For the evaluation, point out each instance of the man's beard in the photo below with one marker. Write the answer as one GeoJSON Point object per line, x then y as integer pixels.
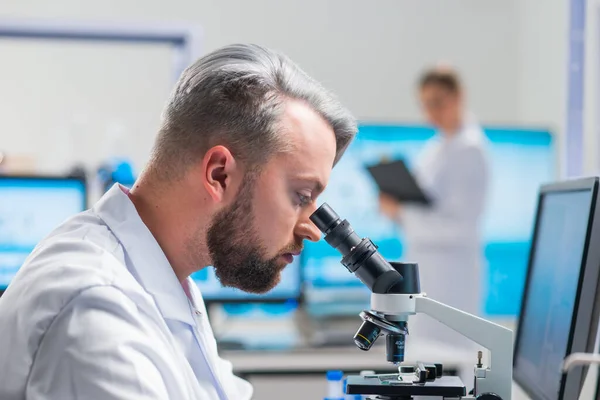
{"type": "Point", "coordinates": [235, 250]}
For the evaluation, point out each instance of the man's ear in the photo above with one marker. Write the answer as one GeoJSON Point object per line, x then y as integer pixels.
{"type": "Point", "coordinates": [219, 168]}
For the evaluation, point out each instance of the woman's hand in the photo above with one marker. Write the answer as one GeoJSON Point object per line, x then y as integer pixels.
{"type": "Point", "coordinates": [389, 206]}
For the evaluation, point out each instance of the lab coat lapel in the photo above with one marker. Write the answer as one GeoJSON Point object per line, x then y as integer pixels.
{"type": "Point", "coordinates": [148, 262]}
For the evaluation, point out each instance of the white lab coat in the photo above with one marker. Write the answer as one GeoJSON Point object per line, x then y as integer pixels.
{"type": "Point", "coordinates": [97, 312]}
{"type": "Point", "coordinates": [445, 239]}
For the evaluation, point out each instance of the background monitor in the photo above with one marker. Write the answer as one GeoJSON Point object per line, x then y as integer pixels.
{"type": "Point", "coordinates": [559, 311]}
{"type": "Point", "coordinates": [30, 208]}
{"type": "Point", "coordinates": [289, 288]}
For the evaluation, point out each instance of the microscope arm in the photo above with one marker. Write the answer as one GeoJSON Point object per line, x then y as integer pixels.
{"type": "Point", "coordinates": [496, 338]}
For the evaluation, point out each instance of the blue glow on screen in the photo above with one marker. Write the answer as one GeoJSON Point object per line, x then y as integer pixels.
{"type": "Point", "coordinates": [29, 210]}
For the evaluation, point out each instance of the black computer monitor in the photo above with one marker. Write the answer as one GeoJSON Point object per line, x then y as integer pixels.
{"type": "Point", "coordinates": [559, 311]}
{"type": "Point", "coordinates": [30, 208]}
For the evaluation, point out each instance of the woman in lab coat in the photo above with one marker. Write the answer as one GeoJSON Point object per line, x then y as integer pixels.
{"type": "Point", "coordinates": [444, 238]}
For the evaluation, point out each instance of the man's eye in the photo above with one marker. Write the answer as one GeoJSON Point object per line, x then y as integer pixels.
{"type": "Point", "coordinates": [303, 199]}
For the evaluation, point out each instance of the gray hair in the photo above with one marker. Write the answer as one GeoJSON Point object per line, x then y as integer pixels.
{"type": "Point", "coordinates": [234, 96]}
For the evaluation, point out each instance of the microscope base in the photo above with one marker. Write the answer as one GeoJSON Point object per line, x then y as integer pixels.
{"type": "Point", "coordinates": [445, 386]}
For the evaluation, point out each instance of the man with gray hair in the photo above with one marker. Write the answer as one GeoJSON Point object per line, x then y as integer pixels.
{"type": "Point", "coordinates": [104, 307]}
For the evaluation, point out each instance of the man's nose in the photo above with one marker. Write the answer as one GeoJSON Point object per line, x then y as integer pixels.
{"type": "Point", "coordinates": [306, 230]}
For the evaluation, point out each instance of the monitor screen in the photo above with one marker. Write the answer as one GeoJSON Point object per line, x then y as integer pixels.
{"type": "Point", "coordinates": [549, 309]}
{"type": "Point", "coordinates": [289, 287]}
{"type": "Point", "coordinates": [30, 208]}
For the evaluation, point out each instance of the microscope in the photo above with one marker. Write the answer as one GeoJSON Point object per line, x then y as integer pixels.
{"type": "Point", "coordinates": [396, 295]}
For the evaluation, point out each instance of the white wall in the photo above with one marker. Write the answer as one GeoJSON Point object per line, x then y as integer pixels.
{"type": "Point", "coordinates": [543, 62]}
{"type": "Point", "coordinates": [58, 101]}
{"type": "Point", "coordinates": [370, 53]}
{"type": "Point", "coordinates": [543, 73]}
{"type": "Point", "coordinates": [591, 103]}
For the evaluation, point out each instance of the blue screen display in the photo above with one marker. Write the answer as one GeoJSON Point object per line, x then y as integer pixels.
{"type": "Point", "coordinates": [289, 287]}
{"type": "Point", "coordinates": [29, 210]}
{"type": "Point", "coordinates": [508, 221]}
{"type": "Point", "coordinates": [552, 291]}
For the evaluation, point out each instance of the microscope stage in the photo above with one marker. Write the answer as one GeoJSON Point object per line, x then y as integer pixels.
{"type": "Point", "coordinates": [387, 385]}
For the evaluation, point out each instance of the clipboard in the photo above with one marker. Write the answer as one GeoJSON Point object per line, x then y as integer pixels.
{"type": "Point", "coordinates": [394, 178]}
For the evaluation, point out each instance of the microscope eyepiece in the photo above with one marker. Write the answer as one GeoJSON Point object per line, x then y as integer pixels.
{"type": "Point", "coordinates": [325, 218]}
{"type": "Point", "coordinates": [360, 256]}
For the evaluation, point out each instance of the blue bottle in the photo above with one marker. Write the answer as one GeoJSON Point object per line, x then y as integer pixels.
{"type": "Point", "coordinates": [335, 387]}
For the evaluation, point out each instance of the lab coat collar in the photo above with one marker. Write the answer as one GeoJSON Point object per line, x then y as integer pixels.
{"type": "Point", "coordinates": [148, 261]}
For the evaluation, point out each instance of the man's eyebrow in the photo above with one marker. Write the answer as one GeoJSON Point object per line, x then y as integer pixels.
{"type": "Point", "coordinates": [317, 185]}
